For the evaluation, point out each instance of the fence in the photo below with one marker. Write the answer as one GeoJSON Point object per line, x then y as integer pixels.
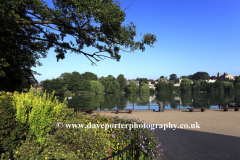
{"type": "Point", "coordinates": [118, 104]}
{"type": "Point", "coordinates": [130, 152]}
{"type": "Point", "coordinates": [208, 103]}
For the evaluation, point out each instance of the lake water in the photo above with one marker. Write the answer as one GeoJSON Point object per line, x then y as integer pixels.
{"type": "Point", "coordinates": [149, 101]}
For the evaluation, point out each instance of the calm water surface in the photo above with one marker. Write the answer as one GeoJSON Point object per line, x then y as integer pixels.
{"type": "Point", "coordinates": [149, 101]}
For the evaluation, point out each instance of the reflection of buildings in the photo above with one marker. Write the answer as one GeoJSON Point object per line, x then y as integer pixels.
{"type": "Point", "coordinates": [68, 97]}
{"type": "Point", "coordinates": [178, 99]}
{"type": "Point", "coordinates": [152, 98]}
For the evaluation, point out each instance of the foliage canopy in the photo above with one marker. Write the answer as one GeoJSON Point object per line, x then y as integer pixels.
{"type": "Point", "coordinates": [21, 34]}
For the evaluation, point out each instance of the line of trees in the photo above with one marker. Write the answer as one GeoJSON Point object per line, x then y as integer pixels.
{"type": "Point", "coordinates": [199, 85]}
{"type": "Point", "coordinates": [89, 82]}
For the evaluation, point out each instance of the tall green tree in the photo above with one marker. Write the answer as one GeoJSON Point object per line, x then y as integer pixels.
{"type": "Point", "coordinates": [122, 81]}
{"type": "Point", "coordinates": [228, 86]}
{"type": "Point", "coordinates": [162, 87]}
{"type": "Point", "coordinates": [144, 88]}
{"type": "Point", "coordinates": [18, 55]}
{"type": "Point", "coordinates": [219, 86]}
{"type": "Point", "coordinates": [173, 77]}
{"type": "Point", "coordinates": [204, 85]}
{"type": "Point", "coordinates": [85, 85]}
{"type": "Point", "coordinates": [210, 87]}
{"type": "Point", "coordinates": [143, 80]}
{"type": "Point", "coordinates": [196, 86]}
{"type": "Point", "coordinates": [162, 77]}
{"type": "Point", "coordinates": [65, 77]}
{"type": "Point", "coordinates": [22, 45]}
{"type": "Point", "coordinates": [201, 75]}
{"type": "Point", "coordinates": [189, 76]}
{"type": "Point", "coordinates": [111, 76]}
{"type": "Point", "coordinates": [47, 86]}
{"type": "Point", "coordinates": [237, 80]}
{"type": "Point", "coordinates": [27, 81]}
{"type": "Point", "coordinates": [55, 84]}
{"type": "Point", "coordinates": [170, 87]}
{"type": "Point", "coordinates": [237, 87]}
{"type": "Point", "coordinates": [110, 86]}
{"type": "Point", "coordinates": [213, 77]}
{"type": "Point", "coordinates": [185, 85]}
{"type": "Point", "coordinates": [116, 87]}
{"type": "Point", "coordinates": [96, 87]}
{"type": "Point", "coordinates": [75, 82]}
{"type": "Point", "coordinates": [90, 76]}
{"type": "Point", "coordinates": [132, 88]}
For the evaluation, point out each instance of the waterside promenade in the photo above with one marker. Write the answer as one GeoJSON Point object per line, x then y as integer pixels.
{"type": "Point", "coordinates": [218, 137]}
{"type": "Point", "coordinates": [212, 120]}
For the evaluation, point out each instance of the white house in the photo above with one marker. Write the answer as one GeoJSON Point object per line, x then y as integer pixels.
{"type": "Point", "coordinates": [210, 80]}
{"type": "Point", "coordinates": [180, 80]}
{"type": "Point", "coordinates": [151, 85]}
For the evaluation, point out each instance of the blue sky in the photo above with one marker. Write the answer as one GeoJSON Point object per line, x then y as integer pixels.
{"type": "Point", "coordinates": [192, 36]}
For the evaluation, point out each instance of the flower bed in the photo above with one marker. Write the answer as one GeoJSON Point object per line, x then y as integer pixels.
{"type": "Point", "coordinates": [37, 137]}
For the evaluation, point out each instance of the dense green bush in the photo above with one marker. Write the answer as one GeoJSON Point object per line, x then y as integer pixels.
{"type": "Point", "coordinates": [12, 132]}
{"type": "Point", "coordinates": [64, 143]}
{"type": "Point", "coordinates": [81, 143]}
{"type": "Point", "coordinates": [38, 111]}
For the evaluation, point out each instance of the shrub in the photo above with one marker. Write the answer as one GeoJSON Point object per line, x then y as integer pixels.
{"type": "Point", "coordinates": [65, 143]}
{"type": "Point", "coordinates": [147, 143]}
{"type": "Point", "coordinates": [12, 132]}
{"type": "Point", "coordinates": [37, 111]}
{"type": "Point", "coordinates": [81, 143]}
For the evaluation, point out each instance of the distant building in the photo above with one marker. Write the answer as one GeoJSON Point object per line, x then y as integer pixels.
{"type": "Point", "coordinates": [210, 80]}
{"type": "Point", "coordinates": [129, 81]}
{"type": "Point", "coordinates": [151, 85]}
{"type": "Point", "coordinates": [224, 76]}
{"type": "Point", "coordinates": [180, 80]}
{"type": "Point", "coordinates": [178, 84]}
{"type": "Point", "coordinates": [39, 86]}
{"type": "Point", "coordinates": [161, 80]}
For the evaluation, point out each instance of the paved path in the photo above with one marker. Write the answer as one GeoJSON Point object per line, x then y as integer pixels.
{"type": "Point", "coordinates": [183, 144]}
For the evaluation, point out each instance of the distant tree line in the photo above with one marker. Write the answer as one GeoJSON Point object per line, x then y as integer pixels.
{"type": "Point", "coordinates": [187, 86]}
{"type": "Point", "coordinates": [89, 82]}
{"type": "Point", "coordinates": [194, 83]}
